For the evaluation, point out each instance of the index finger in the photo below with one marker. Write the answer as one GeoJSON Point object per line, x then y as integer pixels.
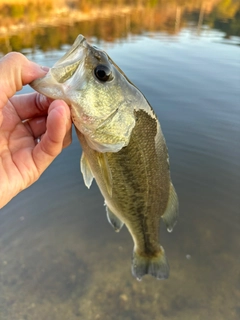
{"type": "Point", "coordinates": [16, 70]}
{"type": "Point", "coordinates": [30, 105]}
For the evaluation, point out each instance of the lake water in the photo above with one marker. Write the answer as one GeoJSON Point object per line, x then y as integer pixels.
{"type": "Point", "coordinates": [59, 257]}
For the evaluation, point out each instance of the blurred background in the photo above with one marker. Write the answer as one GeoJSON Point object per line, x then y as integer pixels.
{"type": "Point", "coordinates": [59, 257]}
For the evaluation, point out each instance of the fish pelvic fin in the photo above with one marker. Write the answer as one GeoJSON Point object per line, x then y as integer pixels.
{"type": "Point", "coordinates": [170, 215]}
{"type": "Point", "coordinates": [106, 171]}
{"type": "Point", "coordinates": [86, 171]}
{"type": "Point", "coordinates": [157, 266]}
{"type": "Point", "coordinates": [115, 222]}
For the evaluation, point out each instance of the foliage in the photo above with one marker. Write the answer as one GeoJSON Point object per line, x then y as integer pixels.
{"type": "Point", "coordinates": [108, 19]}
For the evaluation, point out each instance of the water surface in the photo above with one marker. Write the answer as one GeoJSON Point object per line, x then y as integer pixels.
{"type": "Point", "coordinates": [59, 257]}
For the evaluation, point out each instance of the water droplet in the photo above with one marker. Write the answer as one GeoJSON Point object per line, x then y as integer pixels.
{"type": "Point", "coordinates": [169, 229]}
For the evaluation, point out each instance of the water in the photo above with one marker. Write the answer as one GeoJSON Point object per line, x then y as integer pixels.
{"type": "Point", "coordinates": [60, 258]}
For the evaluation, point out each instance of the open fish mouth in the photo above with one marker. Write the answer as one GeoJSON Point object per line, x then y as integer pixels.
{"type": "Point", "coordinates": [74, 53]}
{"type": "Point", "coordinates": [60, 76]}
{"type": "Point", "coordinates": [65, 68]}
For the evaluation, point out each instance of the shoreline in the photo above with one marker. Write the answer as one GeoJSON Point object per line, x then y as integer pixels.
{"type": "Point", "coordinates": [64, 16]}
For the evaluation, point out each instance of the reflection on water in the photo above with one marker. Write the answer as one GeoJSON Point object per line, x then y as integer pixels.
{"type": "Point", "coordinates": [25, 26]}
{"type": "Point", "coordinates": [59, 257]}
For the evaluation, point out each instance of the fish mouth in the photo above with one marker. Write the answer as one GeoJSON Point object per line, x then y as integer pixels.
{"type": "Point", "coordinates": [65, 68]}
{"type": "Point", "coordinates": [62, 70]}
{"type": "Point", "coordinates": [73, 54]}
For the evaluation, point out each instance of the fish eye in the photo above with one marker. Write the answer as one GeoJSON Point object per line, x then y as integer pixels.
{"type": "Point", "coordinates": [103, 73]}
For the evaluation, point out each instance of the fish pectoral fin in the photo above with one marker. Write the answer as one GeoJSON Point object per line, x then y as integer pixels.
{"type": "Point", "coordinates": [157, 265]}
{"type": "Point", "coordinates": [86, 171]}
{"type": "Point", "coordinates": [115, 222]}
{"type": "Point", "coordinates": [170, 215]}
{"type": "Point", "coordinates": [106, 171]}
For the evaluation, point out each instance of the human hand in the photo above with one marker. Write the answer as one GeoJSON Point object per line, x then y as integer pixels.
{"type": "Point", "coordinates": [23, 120]}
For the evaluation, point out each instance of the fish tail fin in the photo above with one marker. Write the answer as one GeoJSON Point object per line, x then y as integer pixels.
{"type": "Point", "coordinates": [157, 265]}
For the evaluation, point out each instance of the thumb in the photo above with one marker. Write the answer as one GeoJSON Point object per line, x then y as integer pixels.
{"type": "Point", "coordinates": [51, 144]}
{"type": "Point", "coordinates": [16, 71]}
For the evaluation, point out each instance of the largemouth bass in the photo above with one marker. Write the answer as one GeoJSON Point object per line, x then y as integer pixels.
{"type": "Point", "coordinates": [123, 149]}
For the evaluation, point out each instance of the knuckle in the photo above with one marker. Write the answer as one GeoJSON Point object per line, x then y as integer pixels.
{"type": "Point", "coordinates": [15, 57]}
{"type": "Point", "coordinates": [42, 102]}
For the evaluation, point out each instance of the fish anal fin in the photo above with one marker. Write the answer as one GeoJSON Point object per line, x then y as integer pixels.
{"type": "Point", "coordinates": [86, 171]}
{"type": "Point", "coordinates": [106, 171]}
{"type": "Point", "coordinates": [157, 265]}
{"type": "Point", "coordinates": [115, 222]}
{"type": "Point", "coordinates": [170, 215]}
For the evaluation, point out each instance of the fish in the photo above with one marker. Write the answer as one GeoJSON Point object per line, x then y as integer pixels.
{"type": "Point", "coordinates": [123, 149]}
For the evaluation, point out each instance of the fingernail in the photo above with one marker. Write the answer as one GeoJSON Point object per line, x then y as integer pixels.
{"type": "Point", "coordinates": [46, 69]}
{"type": "Point", "coordinates": [40, 121]}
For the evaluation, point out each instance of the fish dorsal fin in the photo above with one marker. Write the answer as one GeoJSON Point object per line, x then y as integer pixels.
{"type": "Point", "coordinates": [86, 171]}
{"type": "Point", "coordinates": [106, 171]}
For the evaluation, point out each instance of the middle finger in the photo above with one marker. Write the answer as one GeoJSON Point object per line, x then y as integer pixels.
{"type": "Point", "coordinates": [36, 126]}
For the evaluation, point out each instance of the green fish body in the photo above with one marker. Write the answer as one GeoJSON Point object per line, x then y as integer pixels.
{"type": "Point", "coordinates": [123, 149]}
